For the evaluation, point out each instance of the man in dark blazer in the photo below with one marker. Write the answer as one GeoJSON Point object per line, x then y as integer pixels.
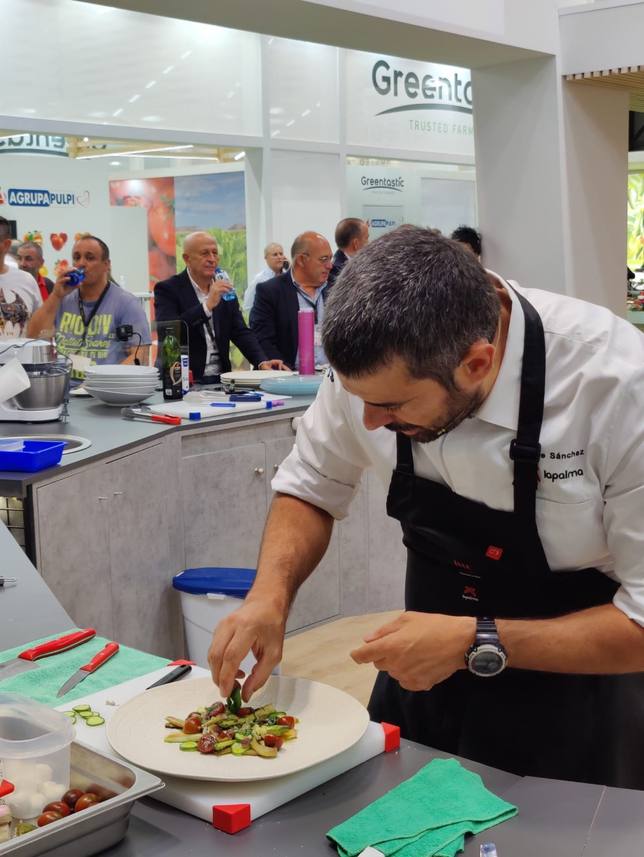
{"type": "Point", "coordinates": [277, 302]}
{"type": "Point", "coordinates": [351, 235]}
{"type": "Point", "coordinates": [195, 297]}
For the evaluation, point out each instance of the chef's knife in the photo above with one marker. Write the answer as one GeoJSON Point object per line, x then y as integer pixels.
{"type": "Point", "coordinates": [25, 660]}
{"type": "Point", "coordinates": [171, 676]}
{"type": "Point", "coordinates": [98, 660]}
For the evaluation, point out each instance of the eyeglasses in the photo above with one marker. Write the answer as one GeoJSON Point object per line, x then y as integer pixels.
{"type": "Point", "coordinates": [323, 259]}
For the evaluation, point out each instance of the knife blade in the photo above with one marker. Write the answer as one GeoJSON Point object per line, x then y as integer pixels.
{"type": "Point", "coordinates": [25, 660]}
{"type": "Point", "coordinates": [81, 674]}
{"type": "Point", "coordinates": [171, 676]}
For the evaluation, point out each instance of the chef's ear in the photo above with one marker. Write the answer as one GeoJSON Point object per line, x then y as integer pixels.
{"type": "Point", "coordinates": [476, 365]}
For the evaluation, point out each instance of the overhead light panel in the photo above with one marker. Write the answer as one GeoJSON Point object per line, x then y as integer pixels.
{"type": "Point", "coordinates": [134, 152]}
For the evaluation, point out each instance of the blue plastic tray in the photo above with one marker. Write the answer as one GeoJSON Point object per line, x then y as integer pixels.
{"type": "Point", "coordinates": [35, 455]}
{"type": "Point", "coordinates": [293, 385]}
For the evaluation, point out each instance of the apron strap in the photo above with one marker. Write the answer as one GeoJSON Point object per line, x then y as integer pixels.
{"type": "Point", "coordinates": [525, 449]}
{"type": "Point", "coordinates": [404, 455]}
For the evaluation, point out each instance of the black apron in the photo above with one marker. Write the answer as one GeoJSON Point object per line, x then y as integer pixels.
{"type": "Point", "coordinates": [465, 558]}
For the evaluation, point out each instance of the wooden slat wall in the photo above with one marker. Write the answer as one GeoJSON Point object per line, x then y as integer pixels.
{"type": "Point", "coordinates": [625, 77]}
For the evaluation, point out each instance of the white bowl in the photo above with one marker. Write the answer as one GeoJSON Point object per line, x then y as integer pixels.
{"type": "Point", "coordinates": [111, 398]}
{"type": "Point", "coordinates": [122, 369]}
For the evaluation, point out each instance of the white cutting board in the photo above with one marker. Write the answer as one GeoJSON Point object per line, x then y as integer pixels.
{"type": "Point", "coordinates": [184, 409]}
{"type": "Point", "coordinates": [197, 797]}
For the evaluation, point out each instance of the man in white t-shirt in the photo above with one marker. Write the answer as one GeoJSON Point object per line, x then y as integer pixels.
{"type": "Point", "coordinates": [19, 295]}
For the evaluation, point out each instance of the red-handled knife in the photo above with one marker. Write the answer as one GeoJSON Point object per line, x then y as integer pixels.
{"type": "Point", "coordinates": [25, 660]}
{"type": "Point", "coordinates": [98, 660]}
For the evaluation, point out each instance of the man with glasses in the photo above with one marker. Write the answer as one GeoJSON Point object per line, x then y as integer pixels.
{"type": "Point", "coordinates": [278, 301]}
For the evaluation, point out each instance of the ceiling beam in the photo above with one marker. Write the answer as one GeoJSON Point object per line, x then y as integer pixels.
{"type": "Point", "coordinates": [310, 22]}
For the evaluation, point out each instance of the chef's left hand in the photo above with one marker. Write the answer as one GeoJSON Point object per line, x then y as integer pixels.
{"type": "Point", "coordinates": [273, 364]}
{"type": "Point", "coordinates": [419, 650]}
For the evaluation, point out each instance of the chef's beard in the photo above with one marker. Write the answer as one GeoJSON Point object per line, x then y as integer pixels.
{"type": "Point", "coordinates": [460, 407]}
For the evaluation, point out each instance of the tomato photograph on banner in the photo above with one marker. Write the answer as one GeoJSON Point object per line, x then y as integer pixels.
{"type": "Point", "coordinates": [156, 195]}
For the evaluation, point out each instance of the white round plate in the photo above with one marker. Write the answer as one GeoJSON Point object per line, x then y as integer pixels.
{"type": "Point", "coordinates": [252, 377]}
{"type": "Point", "coordinates": [145, 380]}
{"type": "Point", "coordinates": [121, 369]}
{"type": "Point", "coordinates": [120, 398]}
{"type": "Point", "coordinates": [331, 721]}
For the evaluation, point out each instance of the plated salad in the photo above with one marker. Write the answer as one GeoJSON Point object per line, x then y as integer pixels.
{"type": "Point", "coordinates": [231, 728]}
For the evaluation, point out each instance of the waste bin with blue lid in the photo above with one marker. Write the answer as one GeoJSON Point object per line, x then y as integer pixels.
{"type": "Point", "coordinates": [207, 595]}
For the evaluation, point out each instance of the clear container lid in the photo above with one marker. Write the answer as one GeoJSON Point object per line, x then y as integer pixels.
{"type": "Point", "coordinates": [29, 728]}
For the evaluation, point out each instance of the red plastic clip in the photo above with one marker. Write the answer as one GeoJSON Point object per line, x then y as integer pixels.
{"type": "Point", "coordinates": [181, 662]}
{"type": "Point", "coordinates": [231, 817]}
{"type": "Point", "coordinates": [6, 787]}
{"type": "Point", "coordinates": [392, 736]}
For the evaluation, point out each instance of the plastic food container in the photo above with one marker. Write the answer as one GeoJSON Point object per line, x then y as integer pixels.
{"type": "Point", "coordinates": [32, 456]}
{"type": "Point", "coordinates": [34, 753]}
{"type": "Point", "coordinates": [82, 834]}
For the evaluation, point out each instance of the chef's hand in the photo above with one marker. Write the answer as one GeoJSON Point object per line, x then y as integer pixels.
{"type": "Point", "coordinates": [255, 626]}
{"type": "Point", "coordinates": [215, 292]}
{"type": "Point", "coordinates": [273, 364]}
{"type": "Point", "coordinates": [419, 650]}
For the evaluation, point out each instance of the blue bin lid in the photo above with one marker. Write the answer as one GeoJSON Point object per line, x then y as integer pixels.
{"type": "Point", "coordinates": [227, 581]}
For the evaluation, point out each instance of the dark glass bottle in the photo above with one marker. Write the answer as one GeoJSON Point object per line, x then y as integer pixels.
{"type": "Point", "coordinates": [171, 351]}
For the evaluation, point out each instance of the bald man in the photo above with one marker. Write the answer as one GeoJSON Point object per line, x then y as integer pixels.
{"type": "Point", "coordinates": [196, 297]}
{"type": "Point", "coordinates": [277, 302]}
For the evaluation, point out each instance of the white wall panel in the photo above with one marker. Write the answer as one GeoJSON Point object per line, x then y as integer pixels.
{"type": "Point", "coordinates": [78, 62]}
{"type": "Point", "coordinates": [305, 195]}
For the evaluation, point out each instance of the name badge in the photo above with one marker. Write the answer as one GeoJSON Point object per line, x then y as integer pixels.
{"type": "Point", "coordinates": [317, 336]}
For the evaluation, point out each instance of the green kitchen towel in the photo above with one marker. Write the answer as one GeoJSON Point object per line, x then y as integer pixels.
{"type": "Point", "coordinates": [42, 683]}
{"type": "Point", "coordinates": [427, 815]}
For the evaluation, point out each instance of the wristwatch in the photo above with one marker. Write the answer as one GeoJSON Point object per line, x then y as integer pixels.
{"type": "Point", "coordinates": [486, 657]}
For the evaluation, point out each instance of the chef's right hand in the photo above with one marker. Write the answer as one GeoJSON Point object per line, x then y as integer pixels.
{"type": "Point", "coordinates": [256, 626]}
{"type": "Point", "coordinates": [217, 289]}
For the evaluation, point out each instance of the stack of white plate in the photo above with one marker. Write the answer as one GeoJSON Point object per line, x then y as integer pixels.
{"type": "Point", "coordinates": [121, 384]}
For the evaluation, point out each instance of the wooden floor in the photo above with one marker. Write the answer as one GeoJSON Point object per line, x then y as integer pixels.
{"type": "Point", "coordinates": [322, 654]}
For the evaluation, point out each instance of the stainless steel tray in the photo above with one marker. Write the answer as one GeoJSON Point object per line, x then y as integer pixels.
{"type": "Point", "coordinates": [96, 828]}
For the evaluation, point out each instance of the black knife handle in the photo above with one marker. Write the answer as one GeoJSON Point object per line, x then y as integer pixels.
{"type": "Point", "coordinates": [171, 676]}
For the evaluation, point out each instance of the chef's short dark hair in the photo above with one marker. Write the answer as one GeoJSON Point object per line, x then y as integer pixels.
{"type": "Point", "coordinates": [5, 229]}
{"type": "Point", "coordinates": [412, 294]}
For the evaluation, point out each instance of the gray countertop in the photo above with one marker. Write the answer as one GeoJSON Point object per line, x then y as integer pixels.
{"type": "Point", "coordinates": [110, 433]}
{"type": "Point", "coordinates": [555, 819]}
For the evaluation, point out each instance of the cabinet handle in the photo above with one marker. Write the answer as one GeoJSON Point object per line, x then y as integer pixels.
{"type": "Point", "coordinates": [117, 493]}
{"type": "Point", "coordinates": [102, 498]}
{"type": "Point", "coordinates": [276, 467]}
{"type": "Point", "coordinates": [259, 471]}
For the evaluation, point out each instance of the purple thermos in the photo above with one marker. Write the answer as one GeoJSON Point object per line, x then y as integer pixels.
{"type": "Point", "coordinates": [305, 333]}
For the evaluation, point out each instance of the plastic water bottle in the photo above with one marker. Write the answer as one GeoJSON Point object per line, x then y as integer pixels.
{"type": "Point", "coordinates": [220, 274]}
{"type": "Point", "coordinates": [75, 277]}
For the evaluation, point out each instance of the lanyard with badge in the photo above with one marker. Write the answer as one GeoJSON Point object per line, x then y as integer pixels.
{"type": "Point", "coordinates": [317, 332]}
{"type": "Point", "coordinates": [92, 314]}
{"type": "Point", "coordinates": [81, 363]}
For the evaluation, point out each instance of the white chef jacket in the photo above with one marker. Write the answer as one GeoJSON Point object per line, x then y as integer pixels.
{"type": "Point", "coordinates": [590, 496]}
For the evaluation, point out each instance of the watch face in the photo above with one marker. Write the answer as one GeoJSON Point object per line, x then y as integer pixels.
{"type": "Point", "coordinates": [487, 661]}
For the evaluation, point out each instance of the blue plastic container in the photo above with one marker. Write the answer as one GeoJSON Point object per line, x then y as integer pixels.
{"type": "Point", "coordinates": [34, 455]}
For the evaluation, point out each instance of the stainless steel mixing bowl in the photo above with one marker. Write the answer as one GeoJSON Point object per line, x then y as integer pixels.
{"type": "Point", "coordinates": [49, 386]}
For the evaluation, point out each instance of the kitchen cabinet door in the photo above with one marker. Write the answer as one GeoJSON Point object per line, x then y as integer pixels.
{"type": "Point", "coordinates": [73, 546]}
{"type": "Point", "coordinates": [143, 499]}
{"type": "Point", "coordinates": [224, 506]}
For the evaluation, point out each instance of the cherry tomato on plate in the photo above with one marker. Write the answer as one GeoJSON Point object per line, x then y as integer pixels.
{"type": "Point", "coordinates": [286, 721]}
{"type": "Point", "coordinates": [58, 806]}
{"type": "Point", "coordinates": [70, 797]}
